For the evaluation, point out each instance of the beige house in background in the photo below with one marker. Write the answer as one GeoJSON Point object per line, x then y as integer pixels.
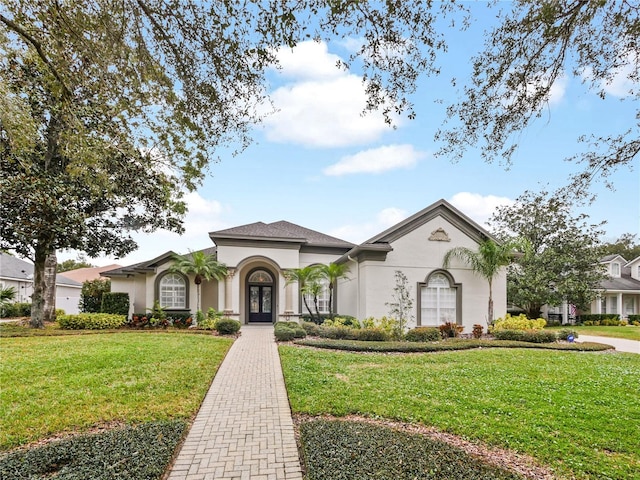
{"type": "Point", "coordinates": [620, 293]}
{"type": "Point", "coordinates": [258, 255]}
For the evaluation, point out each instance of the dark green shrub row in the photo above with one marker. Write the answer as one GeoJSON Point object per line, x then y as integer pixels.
{"type": "Point", "coordinates": [287, 331]}
{"type": "Point", "coordinates": [335, 449]}
{"type": "Point", "coordinates": [13, 310]}
{"type": "Point", "coordinates": [91, 321]}
{"type": "Point", "coordinates": [130, 453]}
{"type": "Point", "coordinates": [325, 316]}
{"type": "Point", "coordinates": [115, 302]}
{"type": "Point", "coordinates": [227, 326]}
{"type": "Point", "coordinates": [606, 322]}
{"type": "Point", "coordinates": [311, 328]}
{"type": "Point", "coordinates": [449, 345]}
{"type": "Point", "coordinates": [593, 317]}
{"type": "Point", "coordinates": [423, 334]}
{"type": "Point", "coordinates": [146, 320]}
{"type": "Point", "coordinates": [533, 336]}
{"type": "Point", "coordinates": [634, 318]}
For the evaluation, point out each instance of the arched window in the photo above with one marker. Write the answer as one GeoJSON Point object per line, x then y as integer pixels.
{"type": "Point", "coordinates": [172, 291]}
{"type": "Point", "coordinates": [260, 276]}
{"type": "Point", "coordinates": [438, 300]}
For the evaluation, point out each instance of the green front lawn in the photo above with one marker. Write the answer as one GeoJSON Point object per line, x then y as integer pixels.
{"type": "Point", "coordinates": [52, 385]}
{"type": "Point", "coordinates": [630, 332]}
{"type": "Point", "coordinates": [576, 412]}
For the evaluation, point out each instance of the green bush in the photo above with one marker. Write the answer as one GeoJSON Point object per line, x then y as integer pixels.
{"type": "Point", "coordinates": [336, 332]}
{"type": "Point", "coordinates": [16, 309]}
{"type": "Point", "coordinates": [59, 312]}
{"type": "Point", "coordinates": [91, 321]}
{"type": "Point", "coordinates": [389, 325]}
{"type": "Point", "coordinates": [228, 326]}
{"type": "Point", "coordinates": [521, 322]}
{"type": "Point", "coordinates": [311, 328]}
{"type": "Point", "coordinates": [371, 335]}
{"type": "Point", "coordinates": [598, 317]}
{"type": "Point", "coordinates": [115, 302]}
{"type": "Point", "coordinates": [610, 322]}
{"type": "Point", "coordinates": [207, 324]}
{"type": "Point", "coordinates": [283, 333]}
{"type": "Point", "coordinates": [634, 318]}
{"type": "Point", "coordinates": [130, 453]}
{"type": "Point", "coordinates": [299, 332]}
{"type": "Point", "coordinates": [564, 333]}
{"type": "Point", "coordinates": [533, 336]}
{"type": "Point", "coordinates": [346, 321]}
{"type": "Point", "coordinates": [91, 295]}
{"type": "Point", "coordinates": [423, 334]}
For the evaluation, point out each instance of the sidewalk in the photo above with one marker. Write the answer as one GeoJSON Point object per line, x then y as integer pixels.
{"type": "Point", "coordinates": [244, 428]}
{"type": "Point", "coordinates": [620, 344]}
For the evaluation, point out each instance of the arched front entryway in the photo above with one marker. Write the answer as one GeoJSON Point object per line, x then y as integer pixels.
{"type": "Point", "coordinates": [260, 296]}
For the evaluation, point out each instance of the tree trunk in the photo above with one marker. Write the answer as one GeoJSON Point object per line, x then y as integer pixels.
{"type": "Point", "coordinates": [38, 299]}
{"type": "Point", "coordinates": [331, 309]}
{"type": "Point", "coordinates": [490, 319]}
{"type": "Point", "coordinates": [49, 308]}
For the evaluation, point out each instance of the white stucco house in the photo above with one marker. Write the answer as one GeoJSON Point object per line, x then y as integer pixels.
{"type": "Point", "coordinates": [620, 293]}
{"type": "Point", "coordinates": [18, 274]}
{"type": "Point", "coordinates": [257, 256]}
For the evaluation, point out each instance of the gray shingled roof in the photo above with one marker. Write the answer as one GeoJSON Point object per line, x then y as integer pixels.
{"type": "Point", "coordinates": [150, 264]}
{"type": "Point", "coordinates": [281, 230]}
{"type": "Point", "coordinates": [17, 269]}
{"type": "Point", "coordinates": [624, 282]}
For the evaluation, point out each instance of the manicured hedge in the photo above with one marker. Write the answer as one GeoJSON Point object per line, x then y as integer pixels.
{"type": "Point", "coordinates": [227, 326]}
{"type": "Point", "coordinates": [91, 321]}
{"type": "Point", "coordinates": [598, 317]}
{"type": "Point", "coordinates": [533, 336]}
{"type": "Point", "coordinates": [17, 309]}
{"type": "Point", "coordinates": [423, 334]}
{"type": "Point", "coordinates": [115, 302]}
{"type": "Point", "coordinates": [340, 450]}
{"type": "Point", "coordinates": [130, 453]}
{"type": "Point", "coordinates": [448, 345]}
{"type": "Point", "coordinates": [287, 331]}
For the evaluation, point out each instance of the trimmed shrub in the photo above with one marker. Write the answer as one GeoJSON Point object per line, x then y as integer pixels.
{"type": "Point", "coordinates": [91, 295]}
{"type": "Point", "coordinates": [299, 332]}
{"type": "Point", "coordinates": [91, 321]}
{"type": "Point", "coordinates": [521, 322]}
{"type": "Point", "coordinates": [598, 317]}
{"type": "Point", "coordinates": [292, 325]}
{"type": "Point", "coordinates": [227, 326]}
{"type": "Point", "coordinates": [371, 335]}
{"type": "Point", "coordinates": [16, 309]}
{"type": "Point", "coordinates": [336, 333]}
{"type": "Point", "coordinates": [389, 325]}
{"type": "Point", "coordinates": [207, 324]}
{"type": "Point", "coordinates": [346, 321]}
{"type": "Point", "coordinates": [311, 328]}
{"type": "Point", "coordinates": [116, 303]}
{"type": "Point", "coordinates": [634, 318]}
{"type": "Point", "coordinates": [533, 336]}
{"type": "Point", "coordinates": [423, 334]}
{"type": "Point", "coordinates": [59, 312]}
{"type": "Point", "coordinates": [284, 333]}
{"type": "Point", "coordinates": [564, 333]}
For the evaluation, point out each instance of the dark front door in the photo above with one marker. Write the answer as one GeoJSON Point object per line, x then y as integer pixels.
{"type": "Point", "coordinates": [260, 303]}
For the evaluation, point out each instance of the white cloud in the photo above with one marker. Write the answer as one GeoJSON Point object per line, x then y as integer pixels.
{"type": "Point", "coordinates": [377, 160]}
{"type": "Point", "coordinates": [358, 233]}
{"type": "Point", "coordinates": [478, 207]}
{"type": "Point", "coordinates": [623, 81]}
{"type": "Point", "coordinates": [309, 60]}
{"type": "Point", "coordinates": [323, 105]}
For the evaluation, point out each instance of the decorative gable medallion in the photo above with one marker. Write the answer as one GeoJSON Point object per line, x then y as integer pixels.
{"type": "Point", "coordinates": [439, 235]}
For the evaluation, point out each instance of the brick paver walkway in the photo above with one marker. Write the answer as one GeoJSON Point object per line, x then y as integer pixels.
{"type": "Point", "coordinates": [244, 428]}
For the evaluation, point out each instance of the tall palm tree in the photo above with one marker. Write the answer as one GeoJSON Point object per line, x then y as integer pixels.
{"type": "Point", "coordinates": [306, 278]}
{"type": "Point", "coordinates": [485, 262]}
{"type": "Point", "coordinates": [205, 267]}
{"type": "Point", "coordinates": [332, 273]}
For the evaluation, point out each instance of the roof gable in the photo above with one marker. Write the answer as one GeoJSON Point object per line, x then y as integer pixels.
{"type": "Point", "coordinates": [17, 269]}
{"type": "Point", "coordinates": [440, 208]}
{"type": "Point", "coordinates": [612, 257]}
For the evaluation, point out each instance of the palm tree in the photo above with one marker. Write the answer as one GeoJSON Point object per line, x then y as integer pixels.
{"type": "Point", "coordinates": [205, 267]}
{"type": "Point", "coordinates": [306, 278]}
{"type": "Point", "coordinates": [485, 262]}
{"type": "Point", "coordinates": [7, 295]}
{"type": "Point", "coordinates": [332, 273]}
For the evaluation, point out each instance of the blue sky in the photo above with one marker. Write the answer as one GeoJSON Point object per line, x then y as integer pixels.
{"type": "Point", "coordinates": [319, 163]}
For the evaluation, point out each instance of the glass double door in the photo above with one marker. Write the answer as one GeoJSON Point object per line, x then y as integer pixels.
{"type": "Point", "coordinates": [260, 303]}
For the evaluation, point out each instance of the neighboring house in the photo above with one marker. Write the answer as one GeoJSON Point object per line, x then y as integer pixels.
{"type": "Point", "coordinates": [18, 274]}
{"type": "Point", "coordinates": [90, 273]}
{"type": "Point", "coordinates": [258, 255]}
{"type": "Point", "coordinates": [620, 293]}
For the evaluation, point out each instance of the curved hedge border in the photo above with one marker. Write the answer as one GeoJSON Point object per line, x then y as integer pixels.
{"type": "Point", "coordinates": [449, 345]}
